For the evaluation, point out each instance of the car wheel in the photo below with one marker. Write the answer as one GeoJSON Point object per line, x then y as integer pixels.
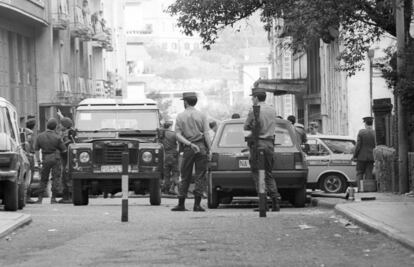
{"type": "Point", "coordinates": [333, 183]}
{"type": "Point", "coordinates": [212, 198]}
{"type": "Point", "coordinates": [22, 195]}
{"type": "Point", "coordinates": [80, 195]}
{"type": "Point", "coordinates": [300, 198]}
{"type": "Point", "coordinates": [155, 192]}
{"type": "Point", "coordinates": [10, 195]}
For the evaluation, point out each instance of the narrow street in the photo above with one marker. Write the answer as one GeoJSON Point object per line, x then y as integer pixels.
{"type": "Point", "coordinates": [232, 235]}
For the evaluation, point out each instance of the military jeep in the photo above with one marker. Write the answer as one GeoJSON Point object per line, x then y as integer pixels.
{"type": "Point", "coordinates": [106, 128]}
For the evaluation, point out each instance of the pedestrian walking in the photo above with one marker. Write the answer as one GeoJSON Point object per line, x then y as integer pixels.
{"type": "Point", "coordinates": [299, 129]}
{"type": "Point", "coordinates": [171, 172]}
{"type": "Point", "coordinates": [364, 150]}
{"type": "Point", "coordinates": [267, 127]}
{"type": "Point", "coordinates": [213, 129]}
{"type": "Point", "coordinates": [52, 146]}
{"type": "Point", "coordinates": [193, 132]}
{"type": "Point", "coordinates": [30, 133]}
{"type": "Point", "coordinates": [68, 135]}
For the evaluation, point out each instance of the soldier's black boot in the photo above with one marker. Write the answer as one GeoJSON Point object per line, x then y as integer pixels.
{"type": "Point", "coordinates": [275, 204]}
{"type": "Point", "coordinates": [197, 207]}
{"type": "Point", "coordinates": [180, 206]}
{"type": "Point", "coordinates": [53, 199]}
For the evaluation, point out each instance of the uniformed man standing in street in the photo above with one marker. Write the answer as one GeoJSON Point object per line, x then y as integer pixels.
{"type": "Point", "coordinates": [52, 146]}
{"type": "Point", "coordinates": [364, 150]}
{"type": "Point", "coordinates": [30, 131]}
{"type": "Point", "coordinates": [267, 122]}
{"type": "Point", "coordinates": [68, 137]}
{"type": "Point", "coordinates": [192, 131]}
{"type": "Point", "coordinates": [171, 172]}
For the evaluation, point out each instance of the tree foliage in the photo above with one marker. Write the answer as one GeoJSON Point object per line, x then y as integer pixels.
{"type": "Point", "coordinates": [360, 21]}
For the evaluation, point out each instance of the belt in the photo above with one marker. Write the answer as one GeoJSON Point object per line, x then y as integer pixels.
{"type": "Point", "coordinates": [267, 139]}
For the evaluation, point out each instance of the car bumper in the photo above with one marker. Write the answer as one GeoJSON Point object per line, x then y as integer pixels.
{"type": "Point", "coordinates": [110, 176]}
{"type": "Point", "coordinates": [8, 175]}
{"type": "Point", "coordinates": [243, 180]}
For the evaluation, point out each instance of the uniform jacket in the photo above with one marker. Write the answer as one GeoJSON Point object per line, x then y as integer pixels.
{"type": "Point", "coordinates": [364, 149]}
{"type": "Point", "coordinates": [267, 119]}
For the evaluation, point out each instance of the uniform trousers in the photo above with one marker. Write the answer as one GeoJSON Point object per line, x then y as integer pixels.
{"type": "Point", "coordinates": [268, 149]}
{"type": "Point", "coordinates": [171, 172]}
{"type": "Point", "coordinates": [51, 163]}
{"type": "Point", "coordinates": [364, 169]}
{"type": "Point", "coordinates": [190, 158]}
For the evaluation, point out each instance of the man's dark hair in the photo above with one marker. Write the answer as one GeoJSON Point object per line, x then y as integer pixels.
{"type": "Point", "coordinates": [235, 116]}
{"type": "Point", "coordinates": [212, 124]}
{"type": "Point", "coordinates": [261, 97]}
{"type": "Point", "coordinates": [30, 124]}
{"type": "Point", "coordinates": [51, 124]}
{"type": "Point", "coordinates": [292, 119]}
{"type": "Point", "coordinates": [192, 101]}
{"type": "Point", "coordinates": [369, 122]}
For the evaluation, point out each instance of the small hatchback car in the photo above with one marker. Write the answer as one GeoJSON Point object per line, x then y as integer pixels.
{"type": "Point", "coordinates": [229, 171]}
{"type": "Point", "coordinates": [15, 172]}
{"type": "Point", "coordinates": [330, 164]}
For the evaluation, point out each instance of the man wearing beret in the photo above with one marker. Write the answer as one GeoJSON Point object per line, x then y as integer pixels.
{"type": "Point", "coordinates": [364, 150]}
{"type": "Point", "coordinates": [267, 122]}
{"type": "Point", "coordinates": [52, 146]}
{"type": "Point", "coordinates": [193, 132]}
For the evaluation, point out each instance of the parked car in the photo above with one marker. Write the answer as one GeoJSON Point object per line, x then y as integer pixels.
{"type": "Point", "coordinates": [15, 172]}
{"type": "Point", "coordinates": [229, 169]}
{"type": "Point", "coordinates": [330, 164]}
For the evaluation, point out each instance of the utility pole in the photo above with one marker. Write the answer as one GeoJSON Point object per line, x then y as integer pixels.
{"type": "Point", "coordinates": [401, 113]}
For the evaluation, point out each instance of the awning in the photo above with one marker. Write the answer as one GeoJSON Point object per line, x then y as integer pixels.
{"type": "Point", "coordinates": [283, 86]}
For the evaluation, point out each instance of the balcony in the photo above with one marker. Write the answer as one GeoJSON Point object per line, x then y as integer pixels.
{"type": "Point", "coordinates": [60, 14]}
{"type": "Point", "coordinates": [80, 25]}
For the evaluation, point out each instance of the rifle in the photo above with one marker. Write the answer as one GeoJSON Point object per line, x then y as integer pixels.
{"type": "Point", "coordinates": [255, 133]}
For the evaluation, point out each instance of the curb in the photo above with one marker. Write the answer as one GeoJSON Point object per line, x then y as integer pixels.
{"type": "Point", "coordinates": [373, 226]}
{"type": "Point", "coordinates": [14, 224]}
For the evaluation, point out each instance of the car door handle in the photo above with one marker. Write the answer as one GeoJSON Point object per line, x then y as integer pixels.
{"type": "Point", "coordinates": [325, 160]}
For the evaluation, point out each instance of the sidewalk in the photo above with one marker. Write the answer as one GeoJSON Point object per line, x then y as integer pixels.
{"type": "Point", "coordinates": [390, 214]}
{"type": "Point", "coordinates": [10, 221]}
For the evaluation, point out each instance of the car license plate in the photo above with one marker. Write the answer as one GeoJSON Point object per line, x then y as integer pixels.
{"type": "Point", "coordinates": [244, 163]}
{"type": "Point", "coordinates": [111, 168]}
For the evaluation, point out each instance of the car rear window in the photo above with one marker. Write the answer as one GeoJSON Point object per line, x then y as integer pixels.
{"type": "Point", "coordinates": [233, 136]}
{"type": "Point", "coordinates": [338, 146]}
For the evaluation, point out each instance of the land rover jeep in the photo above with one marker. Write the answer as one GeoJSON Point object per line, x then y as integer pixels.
{"type": "Point", "coordinates": [106, 128]}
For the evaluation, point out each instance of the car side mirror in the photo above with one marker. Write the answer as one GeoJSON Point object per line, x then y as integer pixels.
{"type": "Point", "coordinates": [305, 147]}
{"type": "Point", "coordinates": [22, 137]}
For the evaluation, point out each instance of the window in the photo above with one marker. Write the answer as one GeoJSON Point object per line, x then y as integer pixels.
{"type": "Point", "coordinates": [10, 125]}
{"type": "Point", "coordinates": [264, 73]}
{"type": "Point", "coordinates": [340, 146]}
{"type": "Point", "coordinates": [232, 136]}
{"type": "Point", "coordinates": [316, 148]}
{"type": "Point", "coordinates": [282, 136]}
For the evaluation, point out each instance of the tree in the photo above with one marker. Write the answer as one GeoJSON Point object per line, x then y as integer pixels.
{"type": "Point", "coordinates": [361, 21]}
{"type": "Point", "coordinates": [162, 103]}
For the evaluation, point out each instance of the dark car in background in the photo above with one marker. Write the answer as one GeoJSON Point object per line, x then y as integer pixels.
{"type": "Point", "coordinates": [229, 170]}
{"type": "Point", "coordinates": [15, 172]}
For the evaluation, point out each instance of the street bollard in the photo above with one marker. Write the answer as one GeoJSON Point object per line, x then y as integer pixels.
{"type": "Point", "coordinates": [262, 185]}
{"type": "Point", "coordinates": [125, 184]}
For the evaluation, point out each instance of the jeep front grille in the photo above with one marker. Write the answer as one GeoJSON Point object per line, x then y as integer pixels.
{"type": "Point", "coordinates": [112, 154]}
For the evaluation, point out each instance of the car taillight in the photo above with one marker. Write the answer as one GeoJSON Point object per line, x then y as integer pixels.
{"type": "Point", "coordinates": [299, 160]}
{"type": "Point", "coordinates": [6, 160]}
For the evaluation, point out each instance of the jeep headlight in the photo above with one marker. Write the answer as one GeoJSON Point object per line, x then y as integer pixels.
{"type": "Point", "coordinates": [84, 157]}
{"type": "Point", "coordinates": [147, 156]}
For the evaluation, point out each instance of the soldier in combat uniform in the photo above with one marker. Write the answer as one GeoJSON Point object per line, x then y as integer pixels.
{"type": "Point", "coordinates": [52, 146]}
{"type": "Point", "coordinates": [171, 171]}
{"type": "Point", "coordinates": [267, 122]}
{"type": "Point", "coordinates": [192, 131]}
{"type": "Point", "coordinates": [68, 136]}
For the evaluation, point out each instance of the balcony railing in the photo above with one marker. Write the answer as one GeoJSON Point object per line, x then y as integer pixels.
{"type": "Point", "coordinates": [60, 14]}
{"type": "Point", "coordinates": [79, 24]}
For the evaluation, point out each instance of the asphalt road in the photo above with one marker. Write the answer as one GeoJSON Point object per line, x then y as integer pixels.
{"type": "Point", "coordinates": [233, 235]}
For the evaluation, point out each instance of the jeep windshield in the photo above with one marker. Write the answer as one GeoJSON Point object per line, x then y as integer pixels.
{"type": "Point", "coordinates": [117, 120]}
